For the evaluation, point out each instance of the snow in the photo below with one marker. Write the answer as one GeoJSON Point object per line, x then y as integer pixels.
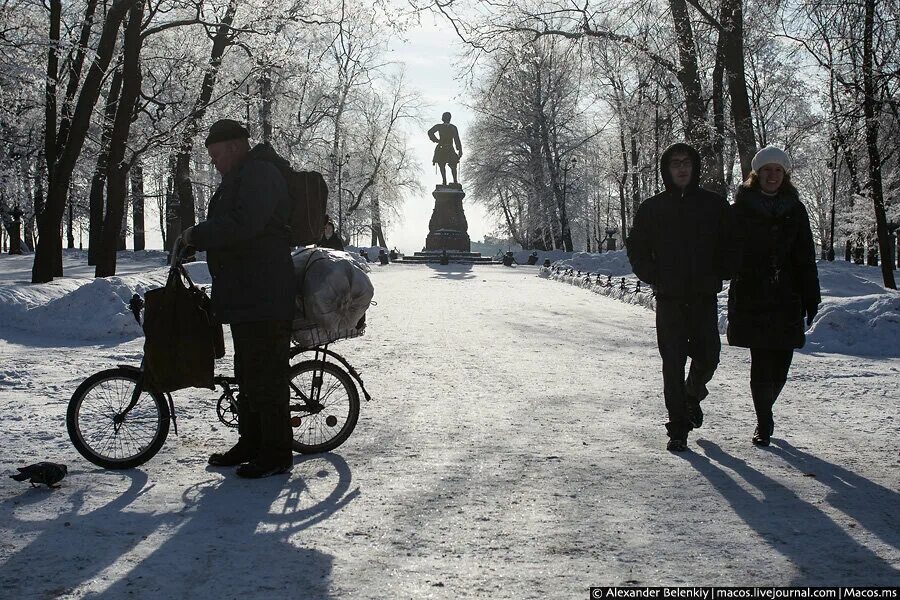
{"type": "Point", "coordinates": [514, 448]}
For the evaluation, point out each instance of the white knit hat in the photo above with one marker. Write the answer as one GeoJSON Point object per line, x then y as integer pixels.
{"type": "Point", "coordinates": [770, 155]}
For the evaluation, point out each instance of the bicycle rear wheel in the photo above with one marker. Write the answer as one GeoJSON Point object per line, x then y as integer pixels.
{"type": "Point", "coordinates": [324, 425]}
{"type": "Point", "coordinates": [106, 437]}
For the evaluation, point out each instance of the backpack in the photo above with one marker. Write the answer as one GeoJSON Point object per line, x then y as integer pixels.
{"type": "Point", "coordinates": [308, 193]}
{"type": "Point", "coordinates": [309, 196]}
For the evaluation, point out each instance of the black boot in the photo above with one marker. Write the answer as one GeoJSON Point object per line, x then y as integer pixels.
{"type": "Point", "coordinates": [275, 451]}
{"type": "Point", "coordinates": [763, 399]}
{"type": "Point", "coordinates": [247, 446]}
{"type": "Point", "coordinates": [694, 412]}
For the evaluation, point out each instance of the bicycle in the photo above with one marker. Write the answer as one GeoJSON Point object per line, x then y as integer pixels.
{"type": "Point", "coordinates": [117, 424]}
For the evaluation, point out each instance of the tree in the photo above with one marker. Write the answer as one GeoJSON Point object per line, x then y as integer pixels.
{"type": "Point", "coordinates": [64, 137]}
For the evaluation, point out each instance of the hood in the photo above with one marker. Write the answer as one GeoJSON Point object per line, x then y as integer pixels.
{"type": "Point", "coordinates": [667, 156]}
{"type": "Point", "coordinates": [267, 153]}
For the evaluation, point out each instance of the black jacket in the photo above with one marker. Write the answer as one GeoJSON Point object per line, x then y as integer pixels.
{"type": "Point", "coordinates": [777, 278]}
{"type": "Point", "coordinates": [334, 242]}
{"type": "Point", "coordinates": [682, 240]}
{"type": "Point", "coordinates": [247, 240]}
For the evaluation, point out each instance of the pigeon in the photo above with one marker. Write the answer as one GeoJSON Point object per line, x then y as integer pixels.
{"type": "Point", "coordinates": [43, 472]}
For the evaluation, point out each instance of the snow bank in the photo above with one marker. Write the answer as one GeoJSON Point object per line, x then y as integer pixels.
{"type": "Point", "coordinates": [78, 308]}
{"type": "Point", "coordinates": [857, 316]}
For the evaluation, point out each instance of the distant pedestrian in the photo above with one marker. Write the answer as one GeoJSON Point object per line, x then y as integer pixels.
{"type": "Point", "coordinates": [682, 244]}
{"type": "Point", "coordinates": [330, 238]}
{"type": "Point", "coordinates": [777, 284]}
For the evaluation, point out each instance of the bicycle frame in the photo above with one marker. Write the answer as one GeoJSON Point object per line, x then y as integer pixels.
{"type": "Point", "coordinates": [322, 353]}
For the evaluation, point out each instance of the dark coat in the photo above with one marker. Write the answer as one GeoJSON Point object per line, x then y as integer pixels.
{"type": "Point", "coordinates": [247, 240]}
{"type": "Point", "coordinates": [777, 278]}
{"type": "Point", "coordinates": [682, 240]}
{"type": "Point", "coordinates": [334, 242]}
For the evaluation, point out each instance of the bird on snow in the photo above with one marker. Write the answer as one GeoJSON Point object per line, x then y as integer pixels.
{"type": "Point", "coordinates": [43, 472]}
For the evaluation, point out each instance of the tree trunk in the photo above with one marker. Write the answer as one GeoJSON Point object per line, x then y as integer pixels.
{"type": "Point", "coordinates": [635, 176]}
{"type": "Point", "coordinates": [173, 211]}
{"type": "Point", "coordinates": [48, 256]}
{"type": "Point", "coordinates": [70, 235]}
{"type": "Point", "coordinates": [117, 176]}
{"type": "Point", "coordinates": [733, 23]}
{"type": "Point", "coordinates": [98, 182]}
{"type": "Point", "coordinates": [875, 181]}
{"type": "Point", "coordinates": [183, 202]}
{"type": "Point", "coordinates": [265, 107]}
{"type": "Point", "coordinates": [137, 203]}
{"type": "Point", "coordinates": [696, 128]}
{"type": "Point", "coordinates": [719, 180]}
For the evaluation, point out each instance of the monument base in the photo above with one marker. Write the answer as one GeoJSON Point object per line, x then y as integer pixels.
{"type": "Point", "coordinates": [448, 227]}
{"type": "Point", "coordinates": [448, 239]}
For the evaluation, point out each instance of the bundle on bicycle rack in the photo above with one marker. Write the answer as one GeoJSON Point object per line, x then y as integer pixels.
{"type": "Point", "coordinates": [333, 294]}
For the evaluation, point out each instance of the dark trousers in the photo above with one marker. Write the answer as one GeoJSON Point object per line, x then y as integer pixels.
{"type": "Point", "coordinates": [686, 327]}
{"type": "Point", "coordinates": [768, 373]}
{"type": "Point", "coordinates": [261, 363]}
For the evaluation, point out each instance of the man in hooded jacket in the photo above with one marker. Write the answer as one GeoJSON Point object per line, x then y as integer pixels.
{"type": "Point", "coordinates": [682, 243]}
{"type": "Point", "coordinates": [247, 239]}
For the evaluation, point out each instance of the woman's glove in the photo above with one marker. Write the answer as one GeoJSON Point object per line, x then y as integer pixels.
{"type": "Point", "coordinates": [810, 312]}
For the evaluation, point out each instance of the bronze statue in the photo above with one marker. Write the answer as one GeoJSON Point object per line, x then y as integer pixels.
{"type": "Point", "coordinates": [445, 153]}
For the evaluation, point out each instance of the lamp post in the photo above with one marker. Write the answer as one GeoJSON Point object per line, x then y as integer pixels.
{"type": "Point", "coordinates": [565, 170]}
{"type": "Point", "coordinates": [834, 179]}
{"type": "Point", "coordinates": [339, 164]}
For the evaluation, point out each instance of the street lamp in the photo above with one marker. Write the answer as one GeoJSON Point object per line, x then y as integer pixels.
{"type": "Point", "coordinates": [834, 176]}
{"type": "Point", "coordinates": [339, 164]}
{"type": "Point", "coordinates": [569, 164]}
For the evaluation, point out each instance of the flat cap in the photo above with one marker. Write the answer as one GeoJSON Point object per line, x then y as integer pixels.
{"type": "Point", "coordinates": [226, 129]}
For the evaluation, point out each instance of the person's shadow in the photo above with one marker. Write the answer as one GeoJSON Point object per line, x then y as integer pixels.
{"type": "Point", "coordinates": [227, 538]}
{"type": "Point", "coordinates": [823, 553]}
{"type": "Point", "coordinates": [874, 507]}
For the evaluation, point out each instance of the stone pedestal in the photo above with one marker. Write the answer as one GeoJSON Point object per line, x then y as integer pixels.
{"type": "Point", "coordinates": [448, 229]}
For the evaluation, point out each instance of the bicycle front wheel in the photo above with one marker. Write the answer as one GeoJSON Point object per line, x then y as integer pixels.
{"type": "Point", "coordinates": [324, 406]}
{"type": "Point", "coordinates": [103, 434]}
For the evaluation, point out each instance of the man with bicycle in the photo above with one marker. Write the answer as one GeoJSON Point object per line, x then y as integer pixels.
{"type": "Point", "coordinates": [247, 241]}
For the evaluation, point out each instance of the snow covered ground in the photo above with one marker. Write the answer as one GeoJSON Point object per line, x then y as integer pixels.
{"type": "Point", "coordinates": [514, 448]}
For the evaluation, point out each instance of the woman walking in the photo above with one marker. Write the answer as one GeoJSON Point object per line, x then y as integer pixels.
{"type": "Point", "coordinates": [777, 284]}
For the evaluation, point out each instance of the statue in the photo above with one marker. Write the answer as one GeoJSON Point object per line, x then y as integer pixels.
{"type": "Point", "coordinates": [445, 153]}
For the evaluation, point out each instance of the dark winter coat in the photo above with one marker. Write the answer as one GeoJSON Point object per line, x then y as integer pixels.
{"type": "Point", "coordinates": [334, 242]}
{"type": "Point", "coordinates": [777, 278]}
{"type": "Point", "coordinates": [247, 240]}
{"type": "Point", "coordinates": [682, 240]}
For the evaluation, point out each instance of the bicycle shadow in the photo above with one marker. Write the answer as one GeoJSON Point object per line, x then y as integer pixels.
{"type": "Point", "coordinates": [226, 537]}
{"type": "Point", "coordinates": [822, 552]}
{"type": "Point", "coordinates": [58, 558]}
{"type": "Point", "coordinates": [241, 538]}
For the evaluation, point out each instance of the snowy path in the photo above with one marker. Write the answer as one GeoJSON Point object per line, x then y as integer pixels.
{"type": "Point", "coordinates": [514, 449]}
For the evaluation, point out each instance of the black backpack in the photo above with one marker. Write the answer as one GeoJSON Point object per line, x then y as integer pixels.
{"type": "Point", "coordinates": [309, 197]}
{"type": "Point", "coordinates": [308, 193]}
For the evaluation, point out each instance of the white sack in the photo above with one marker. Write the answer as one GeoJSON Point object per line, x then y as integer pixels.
{"type": "Point", "coordinates": [333, 291]}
